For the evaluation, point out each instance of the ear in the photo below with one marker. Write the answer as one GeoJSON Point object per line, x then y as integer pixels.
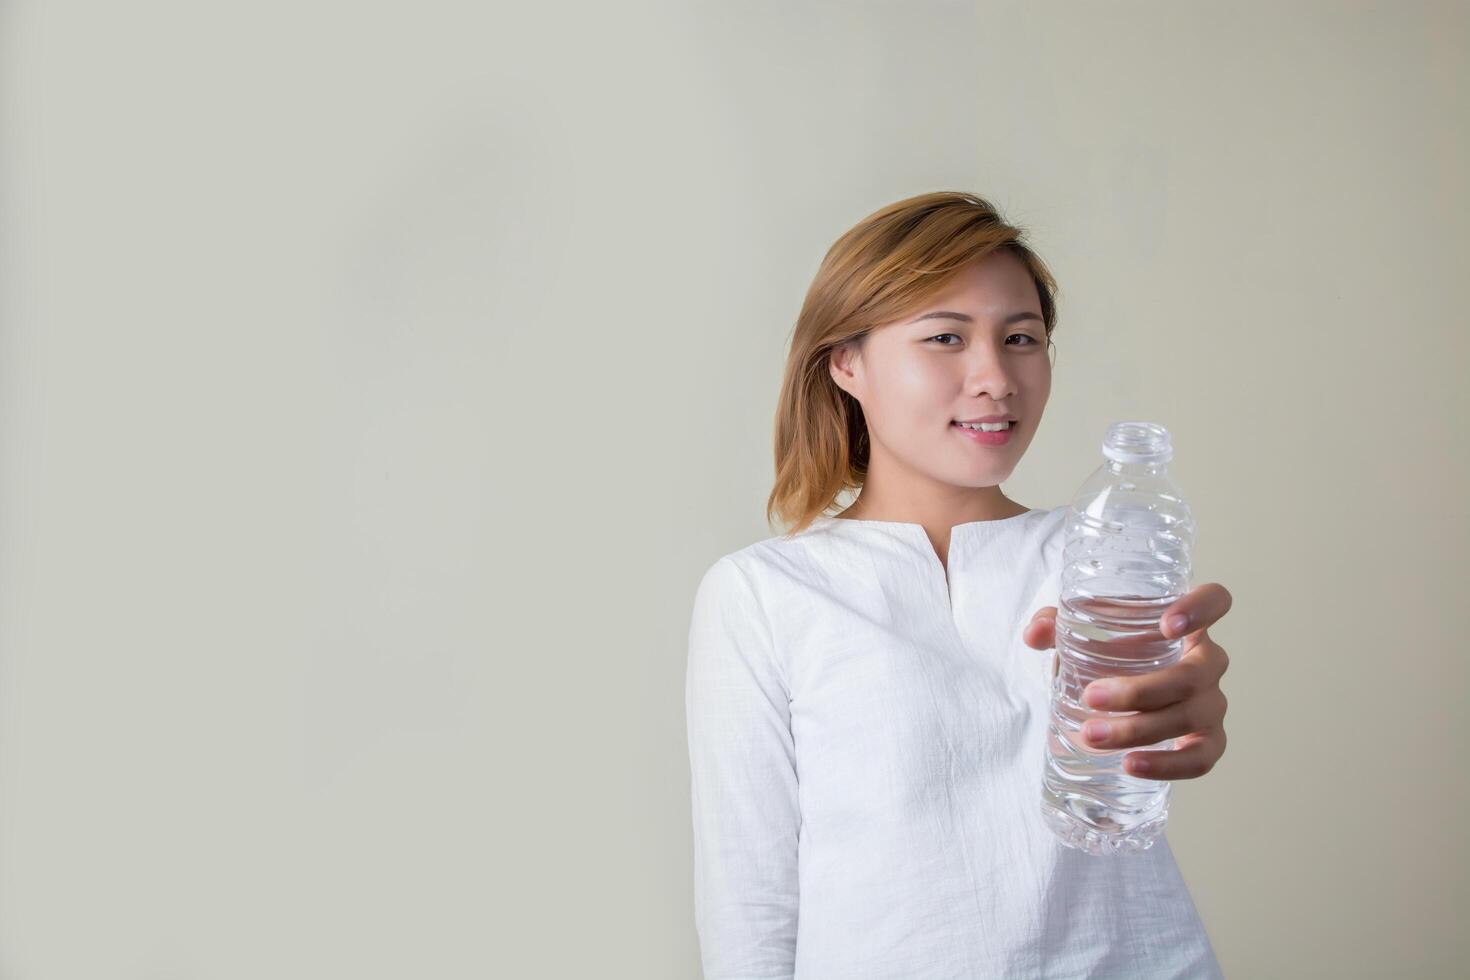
{"type": "Point", "coordinates": [839, 365]}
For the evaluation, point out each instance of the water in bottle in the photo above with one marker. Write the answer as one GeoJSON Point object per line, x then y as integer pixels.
{"type": "Point", "coordinates": [1125, 559]}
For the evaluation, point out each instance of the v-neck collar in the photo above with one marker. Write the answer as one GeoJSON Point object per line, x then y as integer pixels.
{"type": "Point", "coordinates": [912, 528]}
{"type": "Point", "coordinates": [959, 537]}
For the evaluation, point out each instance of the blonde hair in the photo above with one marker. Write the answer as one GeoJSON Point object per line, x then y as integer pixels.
{"type": "Point", "coordinates": [886, 267]}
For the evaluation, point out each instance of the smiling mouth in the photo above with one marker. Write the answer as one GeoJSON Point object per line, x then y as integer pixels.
{"type": "Point", "coordinates": [975, 428]}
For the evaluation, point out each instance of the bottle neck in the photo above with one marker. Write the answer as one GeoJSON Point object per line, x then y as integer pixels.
{"type": "Point", "coordinates": [1142, 468]}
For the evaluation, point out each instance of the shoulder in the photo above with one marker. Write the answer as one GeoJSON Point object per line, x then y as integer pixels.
{"type": "Point", "coordinates": [724, 594]}
{"type": "Point", "coordinates": [1039, 527]}
{"type": "Point", "coordinates": [1049, 530]}
{"type": "Point", "coordinates": [1052, 520]}
{"type": "Point", "coordinates": [778, 554]}
{"type": "Point", "coordinates": [759, 575]}
{"type": "Point", "coordinates": [730, 612]}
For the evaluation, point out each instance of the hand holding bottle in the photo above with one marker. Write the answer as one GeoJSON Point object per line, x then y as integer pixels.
{"type": "Point", "coordinates": [1182, 700]}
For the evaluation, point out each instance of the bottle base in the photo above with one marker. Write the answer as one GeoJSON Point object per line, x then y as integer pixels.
{"type": "Point", "coordinates": [1077, 833]}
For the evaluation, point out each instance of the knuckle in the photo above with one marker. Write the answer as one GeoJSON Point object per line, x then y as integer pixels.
{"type": "Point", "coordinates": [1206, 716]}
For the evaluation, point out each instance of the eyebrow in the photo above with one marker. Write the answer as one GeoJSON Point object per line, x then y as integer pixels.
{"type": "Point", "coordinates": [950, 314]}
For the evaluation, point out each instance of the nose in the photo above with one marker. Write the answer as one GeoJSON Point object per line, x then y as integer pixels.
{"type": "Point", "coordinates": [987, 373]}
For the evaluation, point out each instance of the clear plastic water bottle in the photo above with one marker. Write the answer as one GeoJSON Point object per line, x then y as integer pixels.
{"type": "Point", "coordinates": [1125, 559]}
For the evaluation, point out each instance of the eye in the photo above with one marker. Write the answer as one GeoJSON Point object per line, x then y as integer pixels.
{"type": "Point", "coordinates": [1032, 340]}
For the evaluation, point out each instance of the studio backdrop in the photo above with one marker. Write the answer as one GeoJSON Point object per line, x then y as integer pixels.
{"type": "Point", "coordinates": [376, 382]}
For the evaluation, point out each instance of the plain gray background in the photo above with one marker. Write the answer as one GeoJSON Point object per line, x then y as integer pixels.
{"type": "Point", "coordinates": [378, 380]}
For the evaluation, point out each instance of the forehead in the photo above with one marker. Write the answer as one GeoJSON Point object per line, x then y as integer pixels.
{"type": "Point", "coordinates": [996, 285]}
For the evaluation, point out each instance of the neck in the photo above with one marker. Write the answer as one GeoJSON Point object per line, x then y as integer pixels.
{"type": "Point", "coordinates": [962, 507]}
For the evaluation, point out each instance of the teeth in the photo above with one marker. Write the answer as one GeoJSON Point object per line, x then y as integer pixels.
{"type": "Point", "coordinates": [985, 426]}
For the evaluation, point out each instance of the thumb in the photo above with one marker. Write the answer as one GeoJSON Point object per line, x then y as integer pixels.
{"type": "Point", "coordinates": [1040, 633]}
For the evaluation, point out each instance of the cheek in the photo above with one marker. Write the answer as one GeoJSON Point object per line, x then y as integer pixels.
{"type": "Point", "coordinates": [922, 389]}
{"type": "Point", "coordinates": [1036, 380]}
{"type": "Point", "coordinates": [908, 404]}
{"type": "Point", "coordinates": [1042, 384]}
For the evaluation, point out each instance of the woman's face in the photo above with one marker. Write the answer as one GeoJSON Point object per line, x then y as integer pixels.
{"type": "Point", "coordinates": [986, 355]}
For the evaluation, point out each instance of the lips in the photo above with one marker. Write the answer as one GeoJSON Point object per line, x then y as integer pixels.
{"type": "Point", "coordinates": [983, 438]}
{"type": "Point", "coordinates": [1010, 424]}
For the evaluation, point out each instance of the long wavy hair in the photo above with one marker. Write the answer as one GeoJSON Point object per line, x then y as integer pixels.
{"type": "Point", "coordinates": [886, 267]}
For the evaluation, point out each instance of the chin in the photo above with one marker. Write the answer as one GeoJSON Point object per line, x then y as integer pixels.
{"type": "Point", "coordinates": [975, 478]}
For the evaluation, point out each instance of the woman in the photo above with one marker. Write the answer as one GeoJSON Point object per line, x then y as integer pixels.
{"type": "Point", "coordinates": [866, 715]}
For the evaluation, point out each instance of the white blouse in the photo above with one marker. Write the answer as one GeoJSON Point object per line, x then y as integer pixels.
{"type": "Point", "coordinates": [866, 740]}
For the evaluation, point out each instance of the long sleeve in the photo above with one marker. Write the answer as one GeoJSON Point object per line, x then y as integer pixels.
{"type": "Point", "coordinates": [743, 785]}
{"type": "Point", "coordinates": [866, 734]}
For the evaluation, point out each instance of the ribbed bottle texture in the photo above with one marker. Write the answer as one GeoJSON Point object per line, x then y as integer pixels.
{"type": "Point", "coordinates": [1125, 559]}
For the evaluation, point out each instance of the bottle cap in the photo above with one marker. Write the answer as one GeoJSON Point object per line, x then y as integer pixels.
{"type": "Point", "coordinates": [1138, 442]}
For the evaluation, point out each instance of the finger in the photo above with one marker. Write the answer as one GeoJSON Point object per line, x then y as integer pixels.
{"type": "Point", "coordinates": [1210, 655]}
{"type": "Point", "coordinates": [1040, 632]}
{"type": "Point", "coordinates": [1201, 608]}
{"type": "Point", "coordinates": [1184, 679]}
{"type": "Point", "coordinates": [1202, 714]}
{"type": "Point", "coordinates": [1195, 755]}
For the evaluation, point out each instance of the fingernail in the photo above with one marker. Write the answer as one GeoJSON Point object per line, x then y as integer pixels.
{"type": "Point", "coordinates": [1098, 695]}
{"type": "Point", "coordinates": [1096, 730]}
{"type": "Point", "coordinates": [1177, 622]}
